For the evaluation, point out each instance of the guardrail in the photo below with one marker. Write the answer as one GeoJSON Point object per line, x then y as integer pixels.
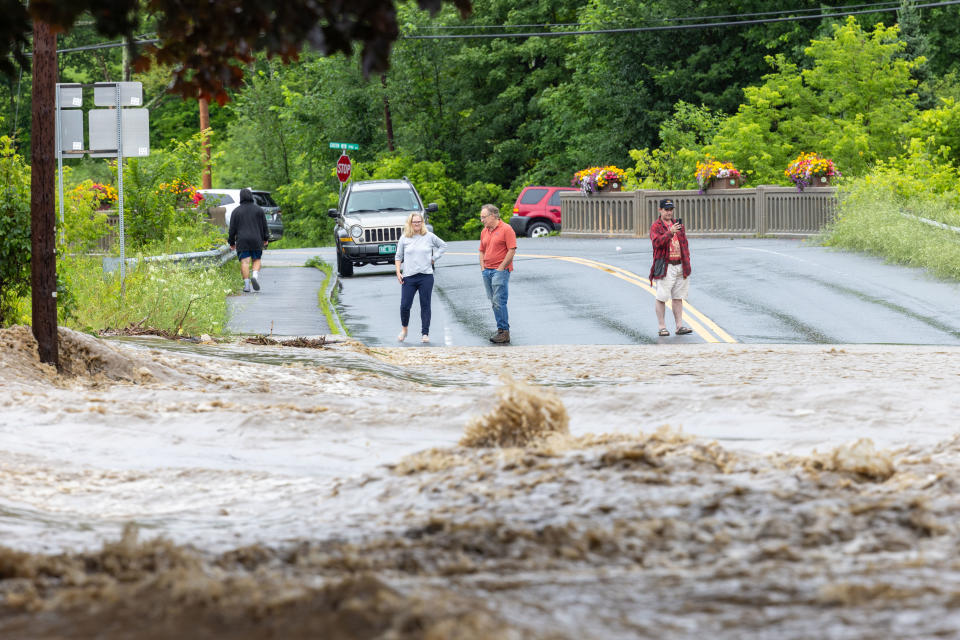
{"type": "Point", "coordinates": [217, 256]}
{"type": "Point", "coordinates": [766, 210]}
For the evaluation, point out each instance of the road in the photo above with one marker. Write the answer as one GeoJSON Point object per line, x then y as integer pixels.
{"type": "Point", "coordinates": [586, 291]}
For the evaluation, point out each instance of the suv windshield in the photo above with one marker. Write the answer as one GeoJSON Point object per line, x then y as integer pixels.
{"type": "Point", "coordinates": [383, 200]}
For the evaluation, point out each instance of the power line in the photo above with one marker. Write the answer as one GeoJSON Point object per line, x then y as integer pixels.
{"type": "Point", "coordinates": [103, 45]}
{"type": "Point", "coordinates": [887, 5]}
{"type": "Point", "coordinates": [677, 27]}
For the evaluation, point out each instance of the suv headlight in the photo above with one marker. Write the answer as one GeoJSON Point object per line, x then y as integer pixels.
{"type": "Point", "coordinates": [356, 231]}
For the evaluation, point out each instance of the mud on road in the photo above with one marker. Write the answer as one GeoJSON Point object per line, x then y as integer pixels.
{"type": "Point", "coordinates": [157, 489]}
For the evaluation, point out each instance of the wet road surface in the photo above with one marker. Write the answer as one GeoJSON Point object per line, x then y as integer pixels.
{"type": "Point", "coordinates": [576, 291]}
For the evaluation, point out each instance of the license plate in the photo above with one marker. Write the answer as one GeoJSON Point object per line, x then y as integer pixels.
{"type": "Point", "coordinates": [388, 248]}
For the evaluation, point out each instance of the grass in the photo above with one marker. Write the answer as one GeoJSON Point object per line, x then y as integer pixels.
{"type": "Point", "coordinates": [172, 297]}
{"type": "Point", "coordinates": [329, 307]}
{"type": "Point", "coordinates": [872, 219]}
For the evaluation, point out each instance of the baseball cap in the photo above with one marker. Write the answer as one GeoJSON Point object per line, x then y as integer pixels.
{"type": "Point", "coordinates": [666, 204]}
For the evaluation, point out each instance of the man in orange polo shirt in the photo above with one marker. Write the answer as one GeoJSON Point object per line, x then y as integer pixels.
{"type": "Point", "coordinates": [498, 244]}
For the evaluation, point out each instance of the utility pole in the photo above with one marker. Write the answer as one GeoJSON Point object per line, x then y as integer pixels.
{"type": "Point", "coordinates": [43, 260]}
{"type": "Point", "coordinates": [207, 180]}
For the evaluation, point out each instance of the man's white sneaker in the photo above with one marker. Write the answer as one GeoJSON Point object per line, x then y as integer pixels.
{"type": "Point", "coordinates": [246, 288]}
{"type": "Point", "coordinates": [255, 281]}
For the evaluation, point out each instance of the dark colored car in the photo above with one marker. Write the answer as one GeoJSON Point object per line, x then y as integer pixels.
{"type": "Point", "coordinates": [537, 211]}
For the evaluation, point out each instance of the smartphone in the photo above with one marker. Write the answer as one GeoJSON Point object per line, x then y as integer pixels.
{"type": "Point", "coordinates": [678, 220]}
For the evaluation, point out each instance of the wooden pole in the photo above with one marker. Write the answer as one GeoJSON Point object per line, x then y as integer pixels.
{"type": "Point", "coordinates": [205, 143]}
{"type": "Point", "coordinates": [43, 260]}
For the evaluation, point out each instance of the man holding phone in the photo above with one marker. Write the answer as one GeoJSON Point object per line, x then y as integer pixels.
{"type": "Point", "coordinates": [671, 267]}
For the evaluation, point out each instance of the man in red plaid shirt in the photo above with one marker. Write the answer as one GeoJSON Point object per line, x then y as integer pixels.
{"type": "Point", "coordinates": [671, 267]}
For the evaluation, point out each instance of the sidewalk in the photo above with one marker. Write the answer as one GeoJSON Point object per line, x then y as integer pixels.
{"type": "Point", "coordinates": [287, 303]}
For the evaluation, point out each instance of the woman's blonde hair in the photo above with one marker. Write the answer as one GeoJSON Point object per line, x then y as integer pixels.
{"type": "Point", "coordinates": [408, 225]}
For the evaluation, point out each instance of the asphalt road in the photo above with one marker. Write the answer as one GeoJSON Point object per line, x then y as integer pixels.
{"type": "Point", "coordinates": [579, 291]}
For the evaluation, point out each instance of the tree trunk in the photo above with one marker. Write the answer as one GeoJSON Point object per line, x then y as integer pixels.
{"type": "Point", "coordinates": [43, 261]}
{"type": "Point", "coordinates": [388, 121]}
{"type": "Point", "coordinates": [206, 179]}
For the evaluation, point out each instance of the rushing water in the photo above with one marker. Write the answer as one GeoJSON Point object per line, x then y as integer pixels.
{"type": "Point", "coordinates": [158, 489]}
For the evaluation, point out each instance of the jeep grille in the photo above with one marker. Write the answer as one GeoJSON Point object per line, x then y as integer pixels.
{"type": "Point", "coordinates": [382, 234]}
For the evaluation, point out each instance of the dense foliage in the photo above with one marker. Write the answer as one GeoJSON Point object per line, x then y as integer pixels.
{"type": "Point", "coordinates": [14, 230]}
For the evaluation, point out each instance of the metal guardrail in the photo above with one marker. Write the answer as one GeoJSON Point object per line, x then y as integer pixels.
{"type": "Point", "coordinates": [766, 210]}
{"type": "Point", "coordinates": [218, 256]}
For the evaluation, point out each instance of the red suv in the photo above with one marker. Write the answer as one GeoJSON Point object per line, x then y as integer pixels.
{"type": "Point", "coordinates": [537, 211]}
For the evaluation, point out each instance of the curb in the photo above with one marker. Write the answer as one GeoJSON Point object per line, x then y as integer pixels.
{"type": "Point", "coordinates": [328, 294]}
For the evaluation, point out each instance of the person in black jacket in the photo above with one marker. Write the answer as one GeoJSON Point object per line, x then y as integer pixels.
{"type": "Point", "coordinates": [248, 236]}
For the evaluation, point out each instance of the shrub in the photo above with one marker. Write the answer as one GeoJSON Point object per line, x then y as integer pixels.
{"type": "Point", "coordinates": [175, 298]}
{"type": "Point", "coordinates": [15, 248]}
{"type": "Point", "coordinates": [881, 214]}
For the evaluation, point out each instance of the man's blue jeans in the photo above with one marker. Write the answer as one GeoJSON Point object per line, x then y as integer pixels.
{"type": "Point", "coordinates": [497, 284]}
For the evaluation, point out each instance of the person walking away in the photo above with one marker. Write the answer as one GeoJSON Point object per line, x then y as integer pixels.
{"type": "Point", "coordinates": [248, 236]}
{"type": "Point", "coordinates": [498, 244]}
{"type": "Point", "coordinates": [671, 267]}
{"type": "Point", "coordinates": [417, 252]}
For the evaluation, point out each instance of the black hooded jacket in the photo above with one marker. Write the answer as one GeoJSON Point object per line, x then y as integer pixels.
{"type": "Point", "coordinates": [248, 224]}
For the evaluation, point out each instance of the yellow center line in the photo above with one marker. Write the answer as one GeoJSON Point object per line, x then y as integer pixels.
{"type": "Point", "coordinates": [642, 282]}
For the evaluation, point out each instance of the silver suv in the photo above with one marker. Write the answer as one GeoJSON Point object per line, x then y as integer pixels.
{"type": "Point", "coordinates": [370, 220]}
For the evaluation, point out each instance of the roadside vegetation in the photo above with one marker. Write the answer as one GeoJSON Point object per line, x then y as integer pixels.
{"type": "Point", "coordinates": [893, 214]}
{"type": "Point", "coordinates": [169, 297]}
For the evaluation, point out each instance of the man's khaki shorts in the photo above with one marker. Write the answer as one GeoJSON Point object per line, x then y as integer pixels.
{"type": "Point", "coordinates": [673, 286]}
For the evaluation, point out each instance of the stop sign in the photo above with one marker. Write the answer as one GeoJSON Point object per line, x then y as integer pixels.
{"type": "Point", "coordinates": [343, 168]}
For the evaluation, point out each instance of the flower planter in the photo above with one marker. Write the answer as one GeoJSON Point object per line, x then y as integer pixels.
{"type": "Point", "coordinates": [723, 183]}
{"type": "Point", "coordinates": [820, 181]}
{"type": "Point", "coordinates": [610, 186]}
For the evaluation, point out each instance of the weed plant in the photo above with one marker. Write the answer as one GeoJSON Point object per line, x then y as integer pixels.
{"type": "Point", "coordinates": [180, 299]}
{"type": "Point", "coordinates": [878, 216]}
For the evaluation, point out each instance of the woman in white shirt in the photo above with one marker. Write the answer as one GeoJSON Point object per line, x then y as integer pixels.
{"type": "Point", "coordinates": [417, 252]}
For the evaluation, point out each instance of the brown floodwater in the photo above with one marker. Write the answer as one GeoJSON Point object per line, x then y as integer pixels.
{"type": "Point", "coordinates": [158, 489]}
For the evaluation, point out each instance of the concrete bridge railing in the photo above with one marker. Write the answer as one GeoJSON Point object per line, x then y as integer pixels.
{"type": "Point", "coordinates": [762, 211]}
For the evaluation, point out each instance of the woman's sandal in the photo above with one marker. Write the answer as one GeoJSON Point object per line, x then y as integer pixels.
{"type": "Point", "coordinates": [425, 338]}
{"type": "Point", "coordinates": [402, 336]}
{"type": "Point", "coordinates": [664, 332]}
{"type": "Point", "coordinates": [682, 331]}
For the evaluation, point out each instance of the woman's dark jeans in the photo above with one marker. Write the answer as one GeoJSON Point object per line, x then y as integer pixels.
{"type": "Point", "coordinates": [422, 282]}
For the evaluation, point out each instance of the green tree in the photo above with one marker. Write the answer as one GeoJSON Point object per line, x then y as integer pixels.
{"type": "Point", "coordinates": [682, 137]}
{"type": "Point", "coordinates": [851, 106]}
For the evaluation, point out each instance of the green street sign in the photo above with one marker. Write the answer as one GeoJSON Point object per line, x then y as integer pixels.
{"type": "Point", "coordinates": [352, 146]}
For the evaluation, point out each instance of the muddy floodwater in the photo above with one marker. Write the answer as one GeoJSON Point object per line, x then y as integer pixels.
{"type": "Point", "coordinates": [158, 489]}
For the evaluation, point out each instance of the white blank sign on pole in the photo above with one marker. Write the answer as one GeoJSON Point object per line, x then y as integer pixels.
{"type": "Point", "coordinates": [71, 130]}
{"type": "Point", "coordinates": [103, 132]}
{"type": "Point", "coordinates": [105, 95]}
{"type": "Point", "coordinates": [71, 97]}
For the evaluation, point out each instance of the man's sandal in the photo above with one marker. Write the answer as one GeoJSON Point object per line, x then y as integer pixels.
{"type": "Point", "coordinates": [682, 331]}
{"type": "Point", "coordinates": [664, 332]}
